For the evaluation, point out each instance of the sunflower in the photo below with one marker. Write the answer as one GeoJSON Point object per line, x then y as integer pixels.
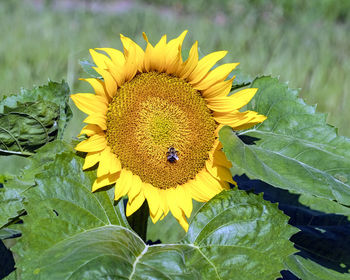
{"type": "Point", "coordinates": [153, 125]}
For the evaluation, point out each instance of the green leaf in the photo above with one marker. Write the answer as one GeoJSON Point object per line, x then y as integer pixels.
{"type": "Point", "coordinates": [12, 165]}
{"type": "Point", "coordinates": [241, 79]}
{"type": "Point", "coordinates": [28, 126]}
{"type": "Point", "coordinates": [12, 276]}
{"type": "Point", "coordinates": [61, 204]}
{"type": "Point", "coordinates": [234, 235]}
{"type": "Point", "coordinates": [239, 235]}
{"type": "Point", "coordinates": [106, 252]}
{"type": "Point", "coordinates": [12, 195]}
{"type": "Point", "coordinates": [11, 205]}
{"type": "Point", "coordinates": [87, 67]}
{"type": "Point", "coordinates": [306, 269]}
{"type": "Point", "coordinates": [294, 149]}
{"type": "Point", "coordinates": [8, 233]}
{"type": "Point", "coordinates": [33, 118]}
{"type": "Point", "coordinates": [324, 205]}
{"type": "Point", "coordinates": [168, 230]}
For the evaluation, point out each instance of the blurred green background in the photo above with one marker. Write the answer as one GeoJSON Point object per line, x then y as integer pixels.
{"type": "Point", "coordinates": [306, 43]}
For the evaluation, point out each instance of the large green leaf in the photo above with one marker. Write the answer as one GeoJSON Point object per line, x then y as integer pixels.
{"type": "Point", "coordinates": [11, 166]}
{"type": "Point", "coordinates": [239, 235]}
{"type": "Point", "coordinates": [70, 233]}
{"type": "Point", "coordinates": [325, 238]}
{"type": "Point", "coordinates": [33, 118]}
{"type": "Point", "coordinates": [106, 252]}
{"type": "Point", "coordinates": [61, 205]}
{"type": "Point", "coordinates": [11, 205]}
{"type": "Point", "coordinates": [306, 269]}
{"type": "Point", "coordinates": [12, 194]}
{"type": "Point", "coordinates": [294, 149]}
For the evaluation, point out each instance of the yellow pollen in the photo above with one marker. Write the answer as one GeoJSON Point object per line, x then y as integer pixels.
{"type": "Point", "coordinates": [151, 114]}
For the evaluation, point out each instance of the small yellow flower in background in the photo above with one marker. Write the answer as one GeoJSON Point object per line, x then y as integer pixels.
{"type": "Point", "coordinates": [153, 125]}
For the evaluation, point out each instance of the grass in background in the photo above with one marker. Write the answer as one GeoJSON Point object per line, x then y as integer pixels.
{"type": "Point", "coordinates": [304, 42]}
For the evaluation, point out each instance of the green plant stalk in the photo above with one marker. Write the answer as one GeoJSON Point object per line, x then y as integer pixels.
{"type": "Point", "coordinates": [138, 221]}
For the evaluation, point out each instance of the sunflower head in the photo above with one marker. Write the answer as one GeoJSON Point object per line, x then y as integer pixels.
{"type": "Point", "coordinates": [153, 125]}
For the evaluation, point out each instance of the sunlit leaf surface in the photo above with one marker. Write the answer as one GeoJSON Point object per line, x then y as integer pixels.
{"type": "Point", "coordinates": [294, 149]}
{"type": "Point", "coordinates": [306, 269]}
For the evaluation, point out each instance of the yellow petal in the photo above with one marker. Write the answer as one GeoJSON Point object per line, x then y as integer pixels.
{"type": "Point", "coordinates": [228, 118]}
{"type": "Point", "coordinates": [174, 65]}
{"type": "Point", "coordinates": [239, 120]}
{"type": "Point", "coordinates": [116, 56]}
{"type": "Point", "coordinates": [148, 54]}
{"type": "Point", "coordinates": [204, 186]}
{"type": "Point", "coordinates": [91, 159]}
{"type": "Point", "coordinates": [158, 55]}
{"type": "Point", "coordinates": [175, 209]}
{"type": "Point", "coordinates": [185, 200]}
{"type": "Point", "coordinates": [258, 119]}
{"type": "Point", "coordinates": [117, 72]}
{"type": "Point", "coordinates": [98, 86]}
{"type": "Point", "coordinates": [155, 218]}
{"type": "Point", "coordinates": [232, 102]}
{"type": "Point", "coordinates": [219, 172]}
{"type": "Point", "coordinates": [217, 130]}
{"type": "Point", "coordinates": [215, 76]}
{"type": "Point", "coordinates": [115, 66]}
{"type": "Point", "coordinates": [190, 64]}
{"type": "Point", "coordinates": [221, 89]}
{"type": "Point", "coordinates": [99, 59]}
{"type": "Point", "coordinates": [115, 164]}
{"type": "Point", "coordinates": [98, 119]}
{"type": "Point", "coordinates": [135, 188]}
{"type": "Point", "coordinates": [163, 200]}
{"type": "Point", "coordinates": [216, 146]}
{"type": "Point", "coordinates": [90, 103]}
{"type": "Point", "coordinates": [155, 56]}
{"type": "Point", "coordinates": [90, 130]}
{"type": "Point", "coordinates": [105, 162]}
{"type": "Point", "coordinates": [242, 97]}
{"type": "Point", "coordinates": [247, 125]}
{"type": "Point", "coordinates": [139, 53]}
{"type": "Point", "coordinates": [175, 43]}
{"type": "Point", "coordinates": [226, 186]}
{"type": "Point", "coordinates": [204, 65]}
{"type": "Point", "coordinates": [104, 181]}
{"type": "Point", "coordinates": [110, 83]}
{"type": "Point", "coordinates": [153, 199]}
{"type": "Point", "coordinates": [95, 143]}
{"type": "Point", "coordinates": [130, 67]}
{"type": "Point", "coordinates": [219, 158]}
{"type": "Point", "coordinates": [123, 184]}
{"type": "Point", "coordinates": [209, 183]}
{"type": "Point", "coordinates": [198, 192]}
{"type": "Point", "coordinates": [183, 222]}
{"type": "Point", "coordinates": [173, 58]}
{"type": "Point", "coordinates": [135, 204]}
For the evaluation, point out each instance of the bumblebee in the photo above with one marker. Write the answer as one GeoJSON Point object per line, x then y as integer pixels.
{"type": "Point", "coordinates": [171, 155]}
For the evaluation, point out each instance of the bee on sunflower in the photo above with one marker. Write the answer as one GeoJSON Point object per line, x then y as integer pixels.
{"type": "Point", "coordinates": [153, 125]}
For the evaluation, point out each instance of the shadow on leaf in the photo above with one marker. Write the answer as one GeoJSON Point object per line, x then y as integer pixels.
{"type": "Point", "coordinates": [323, 238]}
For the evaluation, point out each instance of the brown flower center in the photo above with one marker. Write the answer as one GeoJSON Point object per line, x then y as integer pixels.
{"type": "Point", "coordinates": [160, 128]}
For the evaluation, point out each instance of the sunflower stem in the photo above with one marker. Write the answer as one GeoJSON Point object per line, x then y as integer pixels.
{"type": "Point", "coordinates": [138, 221]}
